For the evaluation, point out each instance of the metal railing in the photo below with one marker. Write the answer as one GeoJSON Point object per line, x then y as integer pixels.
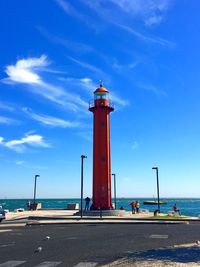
{"type": "Point", "coordinates": [110, 104]}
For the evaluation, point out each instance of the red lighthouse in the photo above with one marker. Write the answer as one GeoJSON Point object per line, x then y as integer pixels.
{"type": "Point", "coordinates": [101, 108]}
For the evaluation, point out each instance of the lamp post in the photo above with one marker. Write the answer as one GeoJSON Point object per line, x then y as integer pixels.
{"type": "Point", "coordinates": [114, 176]}
{"type": "Point", "coordinates": [36, 176]}
{"type": "Point", "coordinates": [82, 158]}
{"type": "Point", "coordinates": [156, 168]}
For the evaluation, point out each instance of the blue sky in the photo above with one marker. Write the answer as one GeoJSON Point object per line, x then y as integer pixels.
{"type": "Point", "coordinates": [53, 55]}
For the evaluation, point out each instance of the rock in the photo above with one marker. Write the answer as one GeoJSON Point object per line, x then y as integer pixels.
{"type": "Point", "coordinates": [39, 249]}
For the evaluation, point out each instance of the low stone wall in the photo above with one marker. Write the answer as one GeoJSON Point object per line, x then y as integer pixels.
{"type": "Point", "coordinates": [73, 206]}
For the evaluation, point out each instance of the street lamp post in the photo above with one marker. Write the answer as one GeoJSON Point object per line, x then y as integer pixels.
{"type": "Point", "coordinates": [82, 158]}
{"type": "Point", "coordinates": [114, 176]}
{"type": "Point", "coordinates": [156, 168]}
{"type": "Point", "coordinates": [36, 176]}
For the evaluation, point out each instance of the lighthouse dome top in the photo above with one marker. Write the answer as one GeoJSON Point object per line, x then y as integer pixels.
{"type": "Point", "coordinates": [101, 89]}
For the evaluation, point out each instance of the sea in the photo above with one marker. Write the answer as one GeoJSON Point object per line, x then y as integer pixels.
{"type": "Point", "coordinates": [187, 206]}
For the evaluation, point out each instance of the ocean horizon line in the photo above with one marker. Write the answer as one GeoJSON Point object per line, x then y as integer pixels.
{"type": "Point", "coordinates": [133, 197]}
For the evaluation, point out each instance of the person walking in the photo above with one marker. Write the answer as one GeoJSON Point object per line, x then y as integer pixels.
{"type": "Point", "coordinates": [133, 207]}
{"type": "Point", "coordinates": [137, 206]}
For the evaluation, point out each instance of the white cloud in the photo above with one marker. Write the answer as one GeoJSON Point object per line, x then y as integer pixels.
{"type": "Point", "coordinates": [20, 145]}
{"type": "Point", "coordinates": [8, 121]}
{"type": "Point", "coordinates": [25, 70]}
{"type": "Point", "coordinates": [51, 121]}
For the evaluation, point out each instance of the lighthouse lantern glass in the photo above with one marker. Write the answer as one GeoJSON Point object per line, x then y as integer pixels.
{"type": "Point", "coordinates": [101, 95]}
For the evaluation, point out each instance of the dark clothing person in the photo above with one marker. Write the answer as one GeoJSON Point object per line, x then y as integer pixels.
{"type": "Point", "coordinates": [133, 207]}
{"type": "Point", "coordinates": [87, 203]}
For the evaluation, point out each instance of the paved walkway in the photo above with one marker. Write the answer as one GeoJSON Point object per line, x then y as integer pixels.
{"type": "Point", "coordinates": [67, 216]}
{"type": "Point", "coordinates": [186, 255]}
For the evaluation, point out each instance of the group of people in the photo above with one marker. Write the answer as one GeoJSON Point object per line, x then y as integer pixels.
{"type": "Point", "coordinates": [135, 206]}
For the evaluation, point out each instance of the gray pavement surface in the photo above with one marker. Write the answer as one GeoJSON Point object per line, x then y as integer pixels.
{"type": "Point", "coordinates": [98, 245]}
{"type": "Point", "coordinates": [180, 255]}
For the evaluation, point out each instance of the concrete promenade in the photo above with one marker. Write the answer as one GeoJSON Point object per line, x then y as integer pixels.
{"type": "Point", "coordinates": [49, 216]}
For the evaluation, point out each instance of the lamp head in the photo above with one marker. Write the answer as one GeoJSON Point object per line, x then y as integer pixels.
{"type": "Point", "coordinates": [37, 175]}
{"type": "Point", "coordinates": [83, 156]}
{"type": "Point", "coordinates": [154, 168]}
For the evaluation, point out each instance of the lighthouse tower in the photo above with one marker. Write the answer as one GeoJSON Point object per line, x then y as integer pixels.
{"type": "Point", "coordinates": [101, 108]}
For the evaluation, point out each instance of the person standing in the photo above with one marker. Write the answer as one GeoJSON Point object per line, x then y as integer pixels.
{"type": "Point", "coordinates": [176, 210]}
{"type": "Point", "coordinates": [133, 207]}
{"type": "Point", "coordinates": [87, 203]}
{"type": "Point", "coordinates": [137, 206]}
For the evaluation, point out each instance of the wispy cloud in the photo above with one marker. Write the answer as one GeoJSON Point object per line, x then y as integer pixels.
{"type": "Point", "coordinates": [70, 10]}
{"type": "Point", "coordinates": [154, 89]}
{"type": "Point", "coordinates": [30, 166]}
{"type": "Point", "coordinates": [149, 12]}
{"type": "Point", "coordinates": [71, 45]}
{"type": "Point", "coordinates": [21, 145]}
{"type": "Point", "coordinates": [28, 71]}
{"type": "Point", "coordinates": [8, 121]}
{"type": "Point", "coordinates": [119, 100]}
{"type": "Point", "coordinates": [147, 38]}
{"type": "Point", "coordinates": [121, 67]}
{"type": "Point", "coordinates": [19, 162]}
{"type": "Point", "coordinates": [6, 106]}
{"type": "Point", "coordinates": [89, 85]}
{"type": "Point", "coordinates": [86, 135]}
{"type": "Point", "coordinates": [125, 12]}
{"type": "Point", "coordinates": [85, 83]}
{"type": "Point", "coordinates": [127, 179]}
{"type": "Point", "coordinates": [135, 145]}
{"type": "Point", "coordinates": [49, 120]}
{"type": "Point", "coordinates": [90, 67]}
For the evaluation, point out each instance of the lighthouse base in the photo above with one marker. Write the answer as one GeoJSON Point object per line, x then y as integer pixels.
{"type": "Point", "coordinates": [101, 213]}
{"type": "Point", "coordinates": [103, 208]}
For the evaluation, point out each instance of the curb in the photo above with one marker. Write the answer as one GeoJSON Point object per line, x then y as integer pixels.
{"type": "Point", "coordinates": [56, 222]}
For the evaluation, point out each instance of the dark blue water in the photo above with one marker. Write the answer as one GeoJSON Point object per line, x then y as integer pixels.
{"type": "Point", "coordinates": [187, 206]}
